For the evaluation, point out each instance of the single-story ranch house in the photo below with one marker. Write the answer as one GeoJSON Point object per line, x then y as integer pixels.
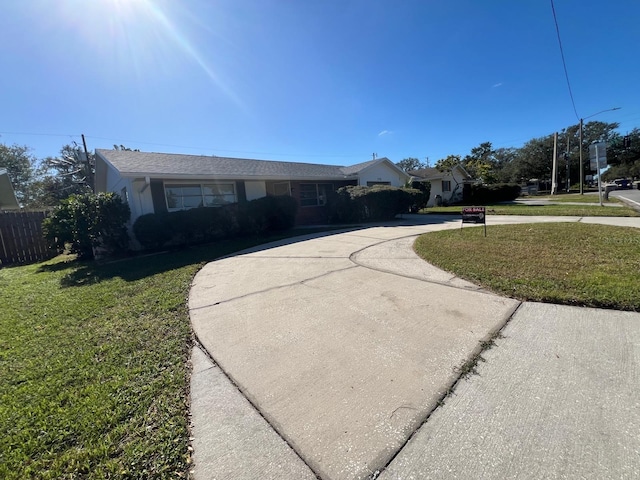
{"type": "Point", "coordinates": [163, 182]}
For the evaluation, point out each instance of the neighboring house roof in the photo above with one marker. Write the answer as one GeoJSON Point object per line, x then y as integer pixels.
{"type": "Point", "coordinates": [139, 164]}
{"type": "Point", "coordinates": [8, 199]}
{"type": "Point", "coordinates": [435, 174]}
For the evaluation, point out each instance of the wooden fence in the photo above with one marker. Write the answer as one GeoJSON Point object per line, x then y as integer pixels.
{"type": "Point", "coordinates": [21, 238]}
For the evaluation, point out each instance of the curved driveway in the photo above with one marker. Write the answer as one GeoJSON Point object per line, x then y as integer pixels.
{"type": "Point", "coordinates": [327, 356]}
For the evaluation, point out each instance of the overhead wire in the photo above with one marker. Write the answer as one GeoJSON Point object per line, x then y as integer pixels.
{"type": "Point", "coordinates": [564, 63]}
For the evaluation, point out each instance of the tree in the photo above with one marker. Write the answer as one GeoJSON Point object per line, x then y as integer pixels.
{"type": "Point", "coordinates": [623, 154]}
{"type": "Point", "coordinates": [410, 164]}
{"type": "Point", "coordinates": [74, 170]}
{"type": "Point", "coordinates": [480, 163]}
{"type": "Point", "coordinates": [125, 149]}
{"type": "Point", "coordinates": [22, 168]}
{"type": "Point", "coordinates": [505, 165]}
{"type": "Point", "coordinates": [447, 164]}
{"type": "Point", "coordinates": [86, 222]}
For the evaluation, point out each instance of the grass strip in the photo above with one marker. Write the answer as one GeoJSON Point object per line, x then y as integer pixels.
{"type": "Point", "coordinates": [576, 198]}
{"type": "Point", "coordinates": [564, 263]}
{"type": "Point", "coordinates": [550, 210]}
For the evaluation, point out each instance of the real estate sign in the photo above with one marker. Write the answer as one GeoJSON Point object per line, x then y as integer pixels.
{"type": "Point", "coordinates": [475, 215]}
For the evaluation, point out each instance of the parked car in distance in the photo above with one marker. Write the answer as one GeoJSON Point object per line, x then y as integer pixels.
{"type": "Point", "coordinates": [623, 183]}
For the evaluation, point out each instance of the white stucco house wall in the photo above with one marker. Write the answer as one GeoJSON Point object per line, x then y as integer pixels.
{"type": "Point", "coordinates": [163, 182]}
{"type": "Point", "coordinates": [448, 185]}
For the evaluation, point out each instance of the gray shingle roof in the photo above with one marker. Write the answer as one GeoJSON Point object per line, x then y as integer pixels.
{"type": "Point", "coordinates": [130, 163]}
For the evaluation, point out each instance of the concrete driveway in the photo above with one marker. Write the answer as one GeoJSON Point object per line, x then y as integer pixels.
{"type": "Point", "coordinates": [329, 357]}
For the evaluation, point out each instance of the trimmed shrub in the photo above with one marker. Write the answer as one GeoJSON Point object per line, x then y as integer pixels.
{"type": "Point", "coordinates": [376, 203]}
{"type": "Point", "coordinates": [267, 214]}
{"type": "Point", "coordinates": [207, 224]}
{"type": "Point", "coordinates": [84, 223]}
{"type": "Point", "coordinates": [151, 230]}
{"type": "Point", "coordinates": [485, 194]}
{"type": "Point", "coordinates": [421, 202]}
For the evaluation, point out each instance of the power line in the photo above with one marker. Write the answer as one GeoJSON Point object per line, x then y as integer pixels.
{"type": "Point", "coordinates": [564, 64]}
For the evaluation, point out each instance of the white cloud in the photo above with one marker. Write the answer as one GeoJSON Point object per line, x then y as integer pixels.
{"type": "Point", "coordinates": [385, 132]}
{"type": "Point", "coordinates": [497, 85]}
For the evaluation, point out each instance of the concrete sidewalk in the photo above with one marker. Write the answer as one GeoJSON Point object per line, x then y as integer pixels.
{"type": "Point", "coordinates": [327, 357]}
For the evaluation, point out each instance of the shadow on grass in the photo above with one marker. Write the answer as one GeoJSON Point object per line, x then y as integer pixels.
{"type": "Point", "coordinates": [141, 266]}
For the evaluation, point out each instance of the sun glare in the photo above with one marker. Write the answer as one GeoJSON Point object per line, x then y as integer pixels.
{"type": "Point", "coordinates": [140, 34]}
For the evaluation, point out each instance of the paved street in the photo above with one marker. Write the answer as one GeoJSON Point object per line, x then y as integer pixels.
{"type": "Point", "coordinates": [329, 356]}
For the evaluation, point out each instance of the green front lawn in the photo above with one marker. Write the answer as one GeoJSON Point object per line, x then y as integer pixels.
{"type": "Point", "coordinates": [566, 263]}
{"type": "Point", "coordinates": [94, 366]}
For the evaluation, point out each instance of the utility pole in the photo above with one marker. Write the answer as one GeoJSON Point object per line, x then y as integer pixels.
{"type": "Point", "coordinates": [554, 166]}
{"type": "Point", "coordinates": [581, 163]}
{"type": "Point", "coordinates": [568, 163]}
{"type": "Point", "coordinates": [89, 175]}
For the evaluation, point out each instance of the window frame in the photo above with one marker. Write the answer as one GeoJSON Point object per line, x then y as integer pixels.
{"type": "Point", "coordinates": [320, 197]}
{"type": "Point", "coordinates": [203, 195]}
{"type": "Point", "coordinates": [446, 186]}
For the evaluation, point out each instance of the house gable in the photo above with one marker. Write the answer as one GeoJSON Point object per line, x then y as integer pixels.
{"type": "Point", "coordinates": [8, 199]}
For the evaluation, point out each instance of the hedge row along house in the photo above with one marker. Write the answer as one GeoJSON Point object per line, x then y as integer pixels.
{"type": "Point", "coordinates": [162, 182]}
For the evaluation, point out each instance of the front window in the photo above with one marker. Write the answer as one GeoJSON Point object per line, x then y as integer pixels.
{"type": "Point", "coordinates": [446, 185]}
{"type": "Point", "coordinates": [189, 195]}
{"type": "Point", "coordinates": [371, 184]}
{"type": "Point", "coordinates": [314, 194]}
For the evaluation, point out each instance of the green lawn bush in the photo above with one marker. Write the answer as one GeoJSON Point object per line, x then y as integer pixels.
{"type": "Point", "coordinates": [88, 223]}
{"type": "Point", "coordinates": [484, 194]}
{"type": "Point", "coordinates": [367, 204]}
{"type": "Point", "coordinates": [207, 224]}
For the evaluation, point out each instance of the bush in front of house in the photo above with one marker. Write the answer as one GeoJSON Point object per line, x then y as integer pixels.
{"type": "Point", "coordinates": [185, 227]}
{"type": "Point", "coordinates": [369, 204]}
{"type": "Point", "coordinates": [151, 230]}
{"type": "Point", "coordinates": [85, 223]}
{"type": "Point", "coordinates": [208, 224]}
{"type": "Point", "coordinates": [487, 194]}
{"type": "Point", "coordinates": [421, 202]}
{"type": "Point", "coordinates": [267, 214]}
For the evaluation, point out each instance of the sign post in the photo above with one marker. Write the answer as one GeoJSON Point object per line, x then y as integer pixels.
{"type": "Point", "coordinates": [474, 215]}
{"type": "Point", "coordinates": [598, 160]}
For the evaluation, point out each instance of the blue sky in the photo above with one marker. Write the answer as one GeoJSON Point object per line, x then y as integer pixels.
{"type": "Point", "coordinates": [322, 81]}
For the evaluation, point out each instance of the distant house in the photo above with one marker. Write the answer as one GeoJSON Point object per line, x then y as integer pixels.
{"type": "Point", "coordinates": [164, 182]}
{"type": "Point", "coordinates": [8, 199]}
{"type": "Point", "coordinates": [448, 185]}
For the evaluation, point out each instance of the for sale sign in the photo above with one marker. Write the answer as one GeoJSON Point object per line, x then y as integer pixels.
{"type": "Point", "coordinates": [473, 215]}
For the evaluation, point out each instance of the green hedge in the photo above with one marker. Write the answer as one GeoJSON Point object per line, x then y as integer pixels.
{"type": "Point", "coordinates": [208, 224]}
{"type": "Point", "coordinates": [485, 194]}
{"type": "Point", "coordinates": [88, 223]}
{"type": "Point", "coordinates": [367, 204]}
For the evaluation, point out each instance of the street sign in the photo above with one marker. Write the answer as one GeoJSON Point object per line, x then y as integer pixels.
{"type": "Point", "coordinates": [598, 155]}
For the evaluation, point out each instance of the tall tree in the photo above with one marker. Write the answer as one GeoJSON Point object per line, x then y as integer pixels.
{"type": "Point", "coordinates": [447, 164]}
{"type": "Point", "coordinates": [74, 170]}
{"type": "Point", "coordinates": [410, 164]}
{"type": "Point", "coordinates": [480, 163]}
{"type": "Point", "coordinates": [623, 154]}
{"type": "Point", "coordinates": [22, 168]}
